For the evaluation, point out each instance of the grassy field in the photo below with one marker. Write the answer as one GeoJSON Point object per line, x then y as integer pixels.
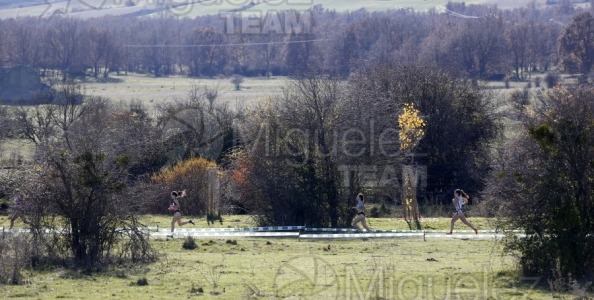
{"type": "Point", "coordinates": [150, 90]}
{"type": "Point", "coordinates": [375, 223]}
{"type": "Point", "coordinates": [282, 268]}
{"type": "Point", "coordinates": [240, 221]}
{"type": "Point", "coordinates": [98, 8]}
{"type": "Point", "coordinates": [12, 150]}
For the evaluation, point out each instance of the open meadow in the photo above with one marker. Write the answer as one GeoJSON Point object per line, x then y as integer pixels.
{"type": "Point", "coordinates": [291, 268]}
{"type": "Point", "coordinates": [98, 8]}
{"type": "Point", "coordinates": [439, 96]}
{"type": "Point", "coordinates": [150, 91]}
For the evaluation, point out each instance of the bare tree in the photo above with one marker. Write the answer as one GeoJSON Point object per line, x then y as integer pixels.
{"type": "Point", "coordinates": [195, 125]}
{"type": "Point", "coordinates": [85, 154]}
{"type": "Point", "coordinates": [478, 46]}
{"type": "Point", "coordinates": [101, 50]}
{"type": "Point", "coordinates": [517, 38]}
{"type": "Point", "coordinates": [237, 80]}
{"type": "Point", "coordinates": [64, 41]}
{"type": "Point", "coordinates": [205, 53]}
{"type": "Point", "coordinates": [290, 156]}
{"type": "Point", "coordinates": [545, 177]}
{"type": "Point", "coordinates": [577, 45]}
{"type": "Point", "coordinates": [25, 45]}
{"type": "Point", "coordinates": [5, 122]}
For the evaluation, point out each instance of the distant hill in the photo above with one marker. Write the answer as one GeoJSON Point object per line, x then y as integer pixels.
{"type": "Point", "coordinates": [189, 8]}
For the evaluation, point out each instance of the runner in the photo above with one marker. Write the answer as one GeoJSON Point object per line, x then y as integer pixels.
{"type": "Point", "coordinates": [176, 209]}
{"type": "Point", "coordinates": [460, 199]}
{"type": "Point", "coordinates": [360, 217]}
{"type": "Point", "coordinates": [17, 208]}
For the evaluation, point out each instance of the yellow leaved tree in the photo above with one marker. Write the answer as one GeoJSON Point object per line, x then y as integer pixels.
{"type": "Point", "coordinates": [411, 130]}
{"type": "Point", "coordinates": [411, 127]}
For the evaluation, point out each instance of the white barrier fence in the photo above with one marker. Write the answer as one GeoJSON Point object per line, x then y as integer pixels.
{"type": "Point", "coordinates": [303, 232]}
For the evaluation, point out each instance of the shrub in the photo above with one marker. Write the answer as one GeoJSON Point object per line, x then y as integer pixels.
{"type": "Point", "coordinates": [374, 212]}
{"type": "Point", "coordinates": [537, 81]}
{"type": "Point", "coordinates": [197, 290]}
{"type": "Point", "coordinates": [543, 186]}
{"type": "Point", "coordinates": [520, 97]}
{"type": "Point", "coordinates": [185, 169]}
{"type": "Point", "coordinates": [142, 281]}
{"type": "Point", "coordinates": [3, 204]}
{"type": "Point", "coordinates": [194, 175]}
{"type": "Point", "coordinates": [551, 79]}
{"type": "Point", "coordinates": [237, 80]}
{"type": "Point", "coordinates": [189, 243]}
{"type": "Point", "coordinates": [15, 254]}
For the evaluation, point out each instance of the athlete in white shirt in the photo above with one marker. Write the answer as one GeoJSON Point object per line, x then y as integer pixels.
{"type": "Point", "coordinates": [460, 199]}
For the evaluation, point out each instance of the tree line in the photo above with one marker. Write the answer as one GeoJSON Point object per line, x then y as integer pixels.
{"type": "Point", "coordinates": [478, 41]}
{"type": "Point", "coordinates": [298, 158]}
{"type": "Point", "coordinates": [99, 165]}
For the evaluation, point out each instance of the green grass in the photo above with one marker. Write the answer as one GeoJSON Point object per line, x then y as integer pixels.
{"type": "Point", "coordinates": [271, 268]}
{"type": "Point", "coordinates": [164, 221]}
{"type": "Point", "coordinates": [237, 221]}
{"type": "Point", "coordinates": [88, 8]}
{"type": "Point", "coordinates": [150, 90]}
{"type": "Point", "coordinates": [11, 150]}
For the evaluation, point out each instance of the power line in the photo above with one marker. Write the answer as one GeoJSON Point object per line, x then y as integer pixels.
{"type": "Point", "coordinates": [455, 14]}
{"type": "Point", "coordinates": [222, 45]}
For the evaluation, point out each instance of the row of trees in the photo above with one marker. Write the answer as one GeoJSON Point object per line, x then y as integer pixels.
{"type": "Point", "coordinates": [289, 160]}
{"type": "Point", "coordinates": [475, 40]}
{"type": "Point", "coordinates": [98, 165]}
{"type": "Point", "coordinates": [323, 141]}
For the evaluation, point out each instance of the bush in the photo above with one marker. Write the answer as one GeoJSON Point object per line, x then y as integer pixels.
{"type": "Point", "coordinates": [549, 195]}
{"type": "Point", "coordinates": [189, 244]}
{"type": "Point", "coordinates": [3, 204]}
{"type": "Point", "coordinates": [15, 255]}
{"type": "Point", "coordinates": [197, 290]}
{"type": "Point", "coordinates": [384, 210]}
{"type": "Point", "coordinates": [537, 81]}
{"type": "Point", "coordinates": [552, 80]}
{"type": "Point", "coordinates": [192, 174]}
{"type": "Point", "coordinates": [520, 97]}
{"type": "Point", "coordinates": [142, 281]}
{"type": "Point", "coordinates": [374, 212]}
{"type": "Point", "coordinates": [237, 80]}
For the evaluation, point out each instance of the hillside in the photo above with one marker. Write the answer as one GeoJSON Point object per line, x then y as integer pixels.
{"type": "Point", "coordinates": [193, 8]}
